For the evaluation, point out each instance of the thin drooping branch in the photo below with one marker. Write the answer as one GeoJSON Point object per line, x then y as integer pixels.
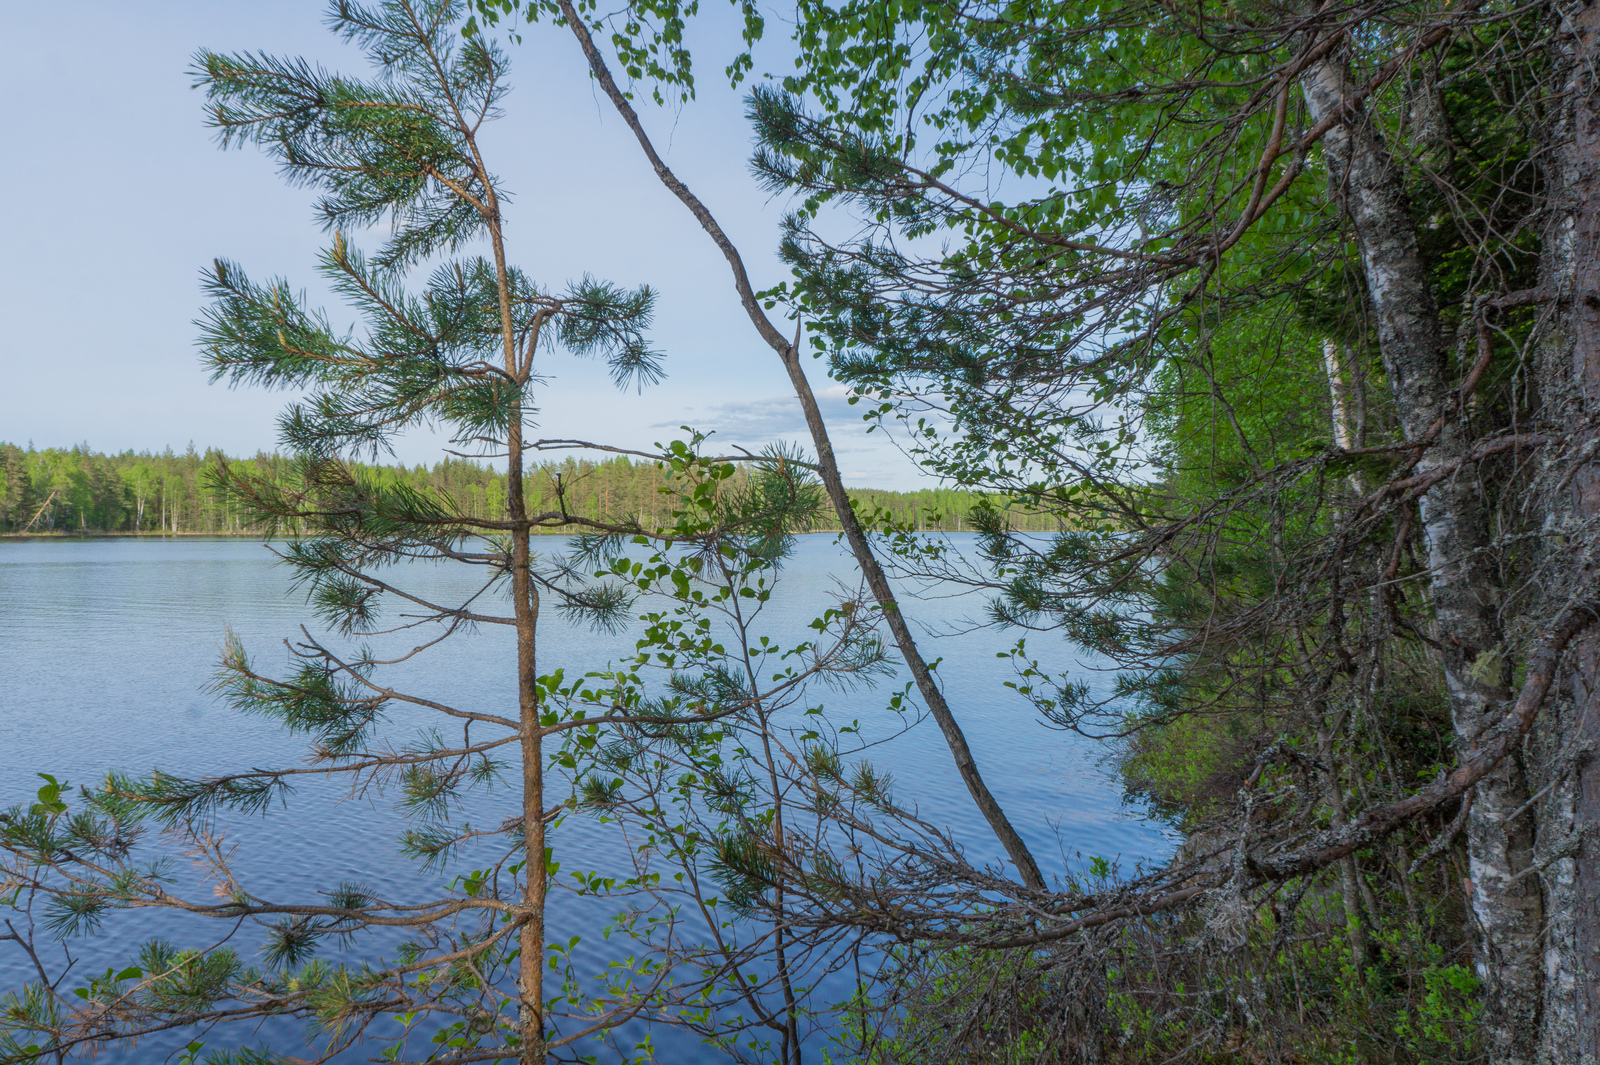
{"type": "Point", "coordinates": [788, 352]}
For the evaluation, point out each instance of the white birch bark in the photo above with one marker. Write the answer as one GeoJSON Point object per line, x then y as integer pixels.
{"type": "Point", "coordinates": [1465, 591]}
{"type": "Point", "coordinates": [1338, 390]}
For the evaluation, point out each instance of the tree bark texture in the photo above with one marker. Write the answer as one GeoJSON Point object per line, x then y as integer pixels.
{"type": "Point", "coordinates": [1569, 391]}
{"type": "Point", "coordinates": [1464, 588]}
{"type": "Point", "coordinates": [525, 609]}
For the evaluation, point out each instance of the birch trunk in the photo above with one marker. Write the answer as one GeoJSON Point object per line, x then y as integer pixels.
{"type": "Point", "coordinates": [1347, 395]}
{"type": "Point", "coordinates": [1569, 388]}
{"type": "Point", "coordinates": [1337, 389]}
{"type": "Point", "coordinates": [1465, 591]}
{"type": "Point", "coordinates": [1345, 434]}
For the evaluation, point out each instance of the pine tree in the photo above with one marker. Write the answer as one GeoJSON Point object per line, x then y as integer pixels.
{"type": "Point", "coordinates": [460, 351]}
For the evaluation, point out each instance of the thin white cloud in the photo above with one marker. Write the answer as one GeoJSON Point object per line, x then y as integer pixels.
{"type": "Point", "coordinates": [758, 421]}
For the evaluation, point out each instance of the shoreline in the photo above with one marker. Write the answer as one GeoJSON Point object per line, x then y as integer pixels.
{"type": "Point", "coordinates": [20, 537]}
{"type": "Point", "coordinates": [132, 536]}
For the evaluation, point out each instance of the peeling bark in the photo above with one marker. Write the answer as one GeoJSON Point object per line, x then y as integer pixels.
{"type": "Point", "coordinates": [1465, 590]}
{"type": "Point", "coordinates": [1569, 392]}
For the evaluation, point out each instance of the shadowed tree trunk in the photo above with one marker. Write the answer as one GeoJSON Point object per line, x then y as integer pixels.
{"type": "Point", "coordinates": [1569, 385]}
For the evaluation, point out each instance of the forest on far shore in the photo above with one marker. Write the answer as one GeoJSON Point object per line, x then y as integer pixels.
{"type": "Point", "coordinates": [79, 491]}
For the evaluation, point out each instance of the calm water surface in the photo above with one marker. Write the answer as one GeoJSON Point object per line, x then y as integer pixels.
{"type": "Point", "coordinates": [107, 647]}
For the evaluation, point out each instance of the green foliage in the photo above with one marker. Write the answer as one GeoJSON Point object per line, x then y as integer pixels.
{"type": "Point", "coordinates": [648, 37]}
{"type": "Point", "coordinates": [81, 491]}
{"type": "Point", "coordinates": [1301, 999]}
{"type": "Point", "coordinates": [393, 148]}
{"type": "Point", "coordinates": [961, 1004]}
{"type": "Point", "coordinates": [1190, 768]}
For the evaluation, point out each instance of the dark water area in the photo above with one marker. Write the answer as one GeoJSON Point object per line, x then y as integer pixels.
{"type": "Point", "coordinates": [107, 648]}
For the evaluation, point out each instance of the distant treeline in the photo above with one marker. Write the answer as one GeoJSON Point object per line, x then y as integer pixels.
{"type": "Point", "coordinates": [77, 491]}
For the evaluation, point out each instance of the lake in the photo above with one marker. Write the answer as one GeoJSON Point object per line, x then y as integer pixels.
{"type": "Point", "coordinates": [107, 647]}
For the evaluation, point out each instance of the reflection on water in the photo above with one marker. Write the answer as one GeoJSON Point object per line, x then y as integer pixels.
{"type": "Point", "coordinates": [107, 648]}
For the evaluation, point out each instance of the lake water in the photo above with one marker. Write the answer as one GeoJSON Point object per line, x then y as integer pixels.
{"type": "Point", "coordinates": [107, 647]}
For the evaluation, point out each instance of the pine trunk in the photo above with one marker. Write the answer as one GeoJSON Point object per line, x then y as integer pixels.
{"type": "Point", "coordinates": [531, 936]}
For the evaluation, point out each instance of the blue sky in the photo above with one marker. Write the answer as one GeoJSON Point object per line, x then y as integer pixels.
{"type": "Point", "coordinates": [116, 198]}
